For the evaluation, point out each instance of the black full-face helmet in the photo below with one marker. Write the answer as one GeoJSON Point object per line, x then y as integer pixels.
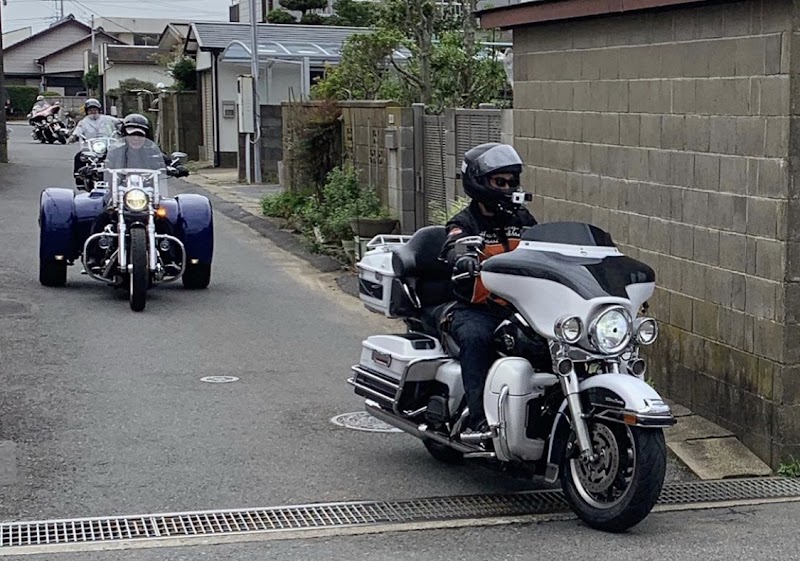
{"type": "Point", "coordinates": [484, 161]}
{"type": "Point", "coordinates": [92, 103]}
{"type": "Point", "coordinates": [135, 124]}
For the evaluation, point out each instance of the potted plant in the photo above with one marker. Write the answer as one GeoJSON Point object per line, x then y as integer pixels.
{"type": "Point", "coordinates": [365, 226]}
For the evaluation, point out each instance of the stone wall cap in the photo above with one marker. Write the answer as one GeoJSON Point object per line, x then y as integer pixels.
{"type": "Point", "coordinates": [542, 11]}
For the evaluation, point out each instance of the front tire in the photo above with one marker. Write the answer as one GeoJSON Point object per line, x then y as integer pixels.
{"type": "Point", "coordinates": [140, 276]}
{"type": "Point", "coordinates": [197, 277]}
{"type": "Point", "coordinates": [52, 273]}
{"type": "Point", "coordinates": [622, 487]}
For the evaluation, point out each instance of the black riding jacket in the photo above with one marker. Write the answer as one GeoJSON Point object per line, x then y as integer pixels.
{"type": "Point", "coordinates": [501, 233]}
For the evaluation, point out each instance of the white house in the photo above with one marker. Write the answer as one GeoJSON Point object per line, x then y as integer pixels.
{"type": "Point", "coordinates": [121, 62]}
{"type": "Point", "coordinates": [290, 56]}
{"type": "Point", "coordinates": [136, 31]}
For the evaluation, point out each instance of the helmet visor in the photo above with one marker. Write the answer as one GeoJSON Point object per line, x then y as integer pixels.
{"type": "Point", "coordinates": [497, 158]}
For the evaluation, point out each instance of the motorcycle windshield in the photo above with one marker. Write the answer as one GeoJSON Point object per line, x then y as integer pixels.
{"type": "Point", "coordinates": [136, 152]}
{"type": "Point", "coordinates": [592, 269]}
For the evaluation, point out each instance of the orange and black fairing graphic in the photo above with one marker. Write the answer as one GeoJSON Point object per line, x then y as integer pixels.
{"type": "Point", "coordinates": [495, 244]}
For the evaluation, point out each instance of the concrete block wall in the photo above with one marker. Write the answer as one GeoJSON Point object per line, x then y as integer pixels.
{"type": "Point", "coordinates": [675, 130]}
{"type": "Point", "coordinates": [364, 126]}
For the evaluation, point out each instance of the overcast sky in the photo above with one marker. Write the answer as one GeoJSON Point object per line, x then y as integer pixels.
{"type": "Point", "coordinates": [40, 13]}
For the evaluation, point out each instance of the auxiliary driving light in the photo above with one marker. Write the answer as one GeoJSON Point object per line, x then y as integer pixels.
{"type": "Point", "coordinates": [569, 330]}
{"type": "Point", "coordinates": [164, 245]}
{"type": "Point", "coordinates": [645, 330]}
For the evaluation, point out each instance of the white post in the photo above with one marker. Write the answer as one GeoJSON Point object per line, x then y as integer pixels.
{"type": "Point", "coordinates": [256, 101]}
{"type": "Point", "coordinates": [247, 157]}
{"type": "Point", "coordinates": [93, 48]}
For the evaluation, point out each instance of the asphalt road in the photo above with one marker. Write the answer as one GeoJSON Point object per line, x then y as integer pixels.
{"type": "Point", "coordinates": [102, 411]}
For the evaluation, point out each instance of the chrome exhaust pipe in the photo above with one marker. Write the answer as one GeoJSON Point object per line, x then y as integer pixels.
{"type": "Point", "coordinates": [420, 432]}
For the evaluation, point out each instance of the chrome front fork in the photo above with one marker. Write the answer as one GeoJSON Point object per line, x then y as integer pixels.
{"type": "Point", "coordinates": [570, 387]}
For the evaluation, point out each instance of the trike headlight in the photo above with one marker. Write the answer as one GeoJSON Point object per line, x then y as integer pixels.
{"type": "Point", "coordinates": [610, 331]}
{"type": "Point", "coordinates": [136, 200]}
{"type": "Point", "coordinates": [99, 147]}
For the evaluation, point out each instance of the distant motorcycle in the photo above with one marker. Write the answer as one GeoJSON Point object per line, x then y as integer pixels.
{"type": "Point", "coordinates": [47, 126]}
{"type": "Point", "coordinates": [93, 155]}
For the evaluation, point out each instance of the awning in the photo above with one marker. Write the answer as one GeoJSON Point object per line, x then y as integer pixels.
{"type": "Point", "coordinates": [319, 53]}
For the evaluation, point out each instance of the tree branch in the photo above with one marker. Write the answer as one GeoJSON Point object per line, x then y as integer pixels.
{"type": "Point", "coordinates": [405, 73]}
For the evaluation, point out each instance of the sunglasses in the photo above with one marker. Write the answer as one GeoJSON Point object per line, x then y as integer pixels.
{"type": "Point", "coordinates": [503, 182]}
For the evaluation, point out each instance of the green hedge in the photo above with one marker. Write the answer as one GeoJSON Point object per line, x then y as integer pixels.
{"type": "Point", "coordinates": [22, 97]}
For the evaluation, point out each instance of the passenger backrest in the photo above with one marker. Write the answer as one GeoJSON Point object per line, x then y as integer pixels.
{"type": "Point", "coordinates": [417, 264]}
{"type": "Point", "coordinates": [419, 258]}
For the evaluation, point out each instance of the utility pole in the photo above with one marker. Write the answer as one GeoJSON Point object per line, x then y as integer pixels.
{"type": "Point", "coordinates": [256, 101]}
{"type": "Point", "coordinates": [3, 134]}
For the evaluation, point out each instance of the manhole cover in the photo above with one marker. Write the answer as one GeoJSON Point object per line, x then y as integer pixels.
{"type": "Point", "coordinates": [219, 379]}
{"type": "Point", "coordinates": [12, 307]}
{"type": "Point", "coordinates": [361, 420]}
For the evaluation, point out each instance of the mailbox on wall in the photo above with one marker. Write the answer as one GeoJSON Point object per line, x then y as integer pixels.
{"type": "Point", "coordinates": [245, 104]}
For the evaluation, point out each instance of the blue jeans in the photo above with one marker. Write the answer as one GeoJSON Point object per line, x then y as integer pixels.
{"type": "Point", "coordinates": [473, 329]}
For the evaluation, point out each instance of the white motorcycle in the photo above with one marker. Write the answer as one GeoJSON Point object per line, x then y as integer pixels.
{"type": "Point", "coordinates": [566, 398]}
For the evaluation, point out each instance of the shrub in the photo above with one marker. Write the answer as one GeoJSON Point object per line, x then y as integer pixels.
{"type": "Point", "coordinates": [342, 199]}
{"type": "Point", "coordinates": [440, 215]}
{"type": "Point", "coordinates": [22, 97]}
{"type": "Point", "coordinates": [286, 204]}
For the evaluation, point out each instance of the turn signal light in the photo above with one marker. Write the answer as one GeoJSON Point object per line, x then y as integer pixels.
{"type": "Point", "coordinates": [161, 212]}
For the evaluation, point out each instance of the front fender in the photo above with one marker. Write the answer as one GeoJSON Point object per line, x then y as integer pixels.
{"type": "Point", "coordinates": [619, 398]}
{"type": "Point", "coordinates": [56, 224]}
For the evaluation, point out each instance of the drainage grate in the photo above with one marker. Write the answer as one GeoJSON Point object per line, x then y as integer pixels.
{"type": "Point", "coordinates": [340, 515]}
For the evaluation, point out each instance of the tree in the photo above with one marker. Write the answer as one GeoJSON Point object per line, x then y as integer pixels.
{"type": "Point", "coordinates": [280, 16]}
{"type": "Point", "coordinates": [127, 86]}
{"type": "Point", "coordinates": [304, 6]}
{"type": "Point", "coordinates": [184, 72]}
{"type": "Point", "coordinates": [354, 13]}
{"type": "Point", "coordinates": [448, 65]}
{"type": "Point", "coordinates": [312, 19]}
{"type": "Point", "coordinates": [91, 79]}
{"type": "Point", "coordinates": [363, 69]}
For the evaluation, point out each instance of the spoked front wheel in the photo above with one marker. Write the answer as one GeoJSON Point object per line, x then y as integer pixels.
{"type": "Point", "coordinates": [620, 488]}
{"type": "Point", "coordinates": [140, 275]}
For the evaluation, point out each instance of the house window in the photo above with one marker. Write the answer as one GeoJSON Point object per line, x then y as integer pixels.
{"type": "Point", "coordinates": [146, 39]}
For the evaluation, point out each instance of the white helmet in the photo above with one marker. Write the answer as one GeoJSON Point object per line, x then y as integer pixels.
{"type": "Point", "coordinates": [40, 98]}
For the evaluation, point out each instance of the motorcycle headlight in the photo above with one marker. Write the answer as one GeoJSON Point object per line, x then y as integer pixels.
{"type": "Point", "coordinates": [50, 118]}
{"type": "Point", "coordinates": [645, 330]}
{"type": "Point", "coordinates": [610, 331]}
{"type": "Point", "coordinates": [99, 147]}
{"type": "Point", "coordinates": [136, 200]}
{"type": "Point", "coordinates": [569, 329]}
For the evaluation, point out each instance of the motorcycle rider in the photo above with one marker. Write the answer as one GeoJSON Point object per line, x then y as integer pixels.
{"type": "Point", "coordinates": [41, 103]}
{"type": "Point", "coordinates": [490, 176]}
{"type": "Point", "coordinates": [94, 125]}
{"type": "Point", "coordinates": [137, 151]}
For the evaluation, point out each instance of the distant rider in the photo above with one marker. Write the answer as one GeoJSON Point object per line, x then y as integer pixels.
{"type": "Point", "coordinates": [41, 103]}
{"type": "Point", "coordinates": [94, 125]}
